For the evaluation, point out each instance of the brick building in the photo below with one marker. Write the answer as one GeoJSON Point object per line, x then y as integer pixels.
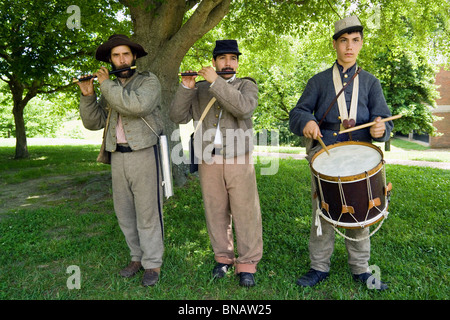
{"type": "Point", "coordinates": [442, 110]}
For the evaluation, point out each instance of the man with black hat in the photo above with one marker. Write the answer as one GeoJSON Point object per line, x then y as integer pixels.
{"type": "Point", "coordinates": [223, 143]}
{"type": "Point", "coordinates": [127, 107]}
{"type": "Point", "coordinates": [362, 101]}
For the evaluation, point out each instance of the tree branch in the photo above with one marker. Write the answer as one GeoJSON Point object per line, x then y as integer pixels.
{"type": "Point", "coordinates": [207, 15]}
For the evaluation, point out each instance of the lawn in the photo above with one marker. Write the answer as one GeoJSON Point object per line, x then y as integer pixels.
{"type": "Point", "coordinates": [56, 211]}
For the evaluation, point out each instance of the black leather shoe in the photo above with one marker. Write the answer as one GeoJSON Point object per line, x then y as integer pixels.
{"type": "Point", "coordinates": [246, 279]}
{"type": "Point", "coordinates": [379, 285]}
{"type": "Point", "coordinates": [312, 277]}
{"type": "Point", "coordinates": [220, 270]}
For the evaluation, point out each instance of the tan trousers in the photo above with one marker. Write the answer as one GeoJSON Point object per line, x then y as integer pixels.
{"type": "Point", "coordinates": [137, 195]}
{"type": "Point", "coordinates": [321, 247]}
{"type": "Point", "coordinates": [230, 195]}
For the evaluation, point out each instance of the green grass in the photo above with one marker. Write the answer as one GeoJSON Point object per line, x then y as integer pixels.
{"type": "Point", "coordinates": [38, 243]}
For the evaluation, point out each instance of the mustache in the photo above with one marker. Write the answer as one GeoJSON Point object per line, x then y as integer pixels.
{"type": "Point", "coordinates": [227, 69]}
{"type": "Point", "coordinates": [114, 67]}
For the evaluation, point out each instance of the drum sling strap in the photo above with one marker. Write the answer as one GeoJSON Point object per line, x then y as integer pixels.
{"type": "Point", "coordinates": [338, 94]}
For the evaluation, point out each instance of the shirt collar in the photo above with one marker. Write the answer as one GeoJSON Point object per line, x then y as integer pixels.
{"type": "Point", "coordinates": [349, 70]}
{"type": "Point", "coordinates": [231, 79]}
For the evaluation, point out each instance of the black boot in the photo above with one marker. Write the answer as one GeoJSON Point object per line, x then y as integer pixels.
{"type": "Point", "coordinates": [220, 270]}
{"type": "Point", "coordinates": [246, 279]}
{"type": "Point", "coordinates": [312, 277]}
{"type": "Point", "coordinates": [376, 284]}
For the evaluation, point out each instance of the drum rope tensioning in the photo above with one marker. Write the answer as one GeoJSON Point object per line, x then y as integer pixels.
{"type": "Point", "coordinates": [351, 190]}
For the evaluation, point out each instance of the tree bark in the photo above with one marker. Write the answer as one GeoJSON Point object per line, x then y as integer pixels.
{"type": "Point", "coordinates": [20, 101]}
{"type": "Point", "coordinates": [158, 27]}
{"type": "Point", "coordinates": [21, 136]}
{"type": "Point", "coordinates": [387, 145]}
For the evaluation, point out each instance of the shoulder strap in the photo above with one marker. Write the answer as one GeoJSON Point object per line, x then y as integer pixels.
{"type": "Point", "coordinates": [251, 79]}
{"type": "Point", "coordinates": [210, 103]}
{"type": "Point", "coordinates": [337, 96]}
{"type": "Point", "coordinates": [150, 128]}
{"type": "Point", "coordinates": [107, 123]}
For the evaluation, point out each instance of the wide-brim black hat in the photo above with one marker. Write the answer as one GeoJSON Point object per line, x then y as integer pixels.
{"type": "Point", "coordinates": [346, 25]}
{"type": "Point", "coordinates": [226, 46]}
{"type": "Point", "coordinates": [103, 52]}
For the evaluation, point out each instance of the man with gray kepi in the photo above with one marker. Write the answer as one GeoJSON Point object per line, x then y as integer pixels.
{"type": "Point", "coordinates": [363, 101]}
{"type": "Point", "coordinates": [226, 170]}
{"type": "Point", "coordinates": [136, 175]}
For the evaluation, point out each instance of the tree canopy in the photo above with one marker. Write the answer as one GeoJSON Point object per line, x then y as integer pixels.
{"type": "Point", "coordinates": [40, 48]}
{"type": "Point", "coordinates": [284, 44]}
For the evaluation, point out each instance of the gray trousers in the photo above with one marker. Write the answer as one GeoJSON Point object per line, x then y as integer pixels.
{"type": "Point", "coordinates": [321, 247]}
{"type": "Point", "coordinates": [137, 195]}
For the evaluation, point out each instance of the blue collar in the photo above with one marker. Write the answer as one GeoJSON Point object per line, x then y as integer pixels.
{"type": "Point", "coordinates": [350, 70]}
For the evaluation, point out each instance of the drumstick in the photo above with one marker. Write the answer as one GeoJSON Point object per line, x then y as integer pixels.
{"type": "Point", "coordinates": [323, 144]}
{"type": "Point", "coordinates": [367, 124]}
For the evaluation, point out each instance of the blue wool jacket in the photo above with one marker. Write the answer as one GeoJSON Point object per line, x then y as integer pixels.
{"type": "Point", "coordinates": [319, 93]}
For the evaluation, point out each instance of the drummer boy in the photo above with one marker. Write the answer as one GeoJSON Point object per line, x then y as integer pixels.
{"type": "Point", "coordinates": [360, 102]}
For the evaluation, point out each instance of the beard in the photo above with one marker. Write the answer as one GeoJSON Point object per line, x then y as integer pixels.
{"type": "Point", "coordinates": [124, 74]}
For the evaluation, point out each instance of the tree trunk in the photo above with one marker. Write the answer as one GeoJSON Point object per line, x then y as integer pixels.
{"type": "Point", "coordinates": [387, 145]}
{"type": "Point", "coordinates": [166, 39]}
{"type": "Point", "coordinates": [20, 101]}
{"type": "Point", "coordinates": [17, 90]}
{"type": "Point", "coordinates": [21, 135]}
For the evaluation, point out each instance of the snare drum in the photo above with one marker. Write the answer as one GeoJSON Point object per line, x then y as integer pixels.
{"type": "Point", "coordinates": [351, 184]}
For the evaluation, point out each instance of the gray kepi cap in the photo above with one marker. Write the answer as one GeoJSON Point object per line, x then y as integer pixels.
{"type": "Point", "coordinates": [346, 25]}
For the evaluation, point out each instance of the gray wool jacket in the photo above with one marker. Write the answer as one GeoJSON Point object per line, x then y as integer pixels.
{"type": "Point", "coordinates": [237, 100]}
{"type": "Point", "coordinates": [140, 96]}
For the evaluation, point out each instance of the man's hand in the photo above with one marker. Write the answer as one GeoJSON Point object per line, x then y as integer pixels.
{"type": "Point", "coordinates": [312, 130]}
{"type": "Point", "coordinates": [208, 73]}
{"type": "Point", "coordinates": [86, 87]}
{"type": "Point", "coordinates": [188, 81]}
{"type": "Point", "coordinates": [378, 129]}
{"type": "Point", "coordinates": [102, 75]}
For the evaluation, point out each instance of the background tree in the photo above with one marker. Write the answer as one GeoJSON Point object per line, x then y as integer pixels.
{"type": "Point", "coordinates": [284, 60]}
{"type": "Point", "coordinates": [284, 43]}
{"type": "Point", "coordinates": [40, 49]}
{"type": "Point", "coordinates": [167, 29]}
{"type": "Point", "coordinates": [408, 81]}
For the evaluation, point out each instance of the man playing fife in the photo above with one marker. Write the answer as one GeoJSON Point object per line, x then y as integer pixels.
{"type": "Point", "coordinates": [226, 171]}
{"type": "Point", "coordinates": [136, 175]}
{"type": "Point", "coordinates": [362, 101]}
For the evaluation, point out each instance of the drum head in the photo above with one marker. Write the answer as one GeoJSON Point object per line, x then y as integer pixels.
{"type": "Point", "coordinates": [346, 159]}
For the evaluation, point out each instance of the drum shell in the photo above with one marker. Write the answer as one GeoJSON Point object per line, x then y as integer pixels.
{"type": "Point", "coordinates": [354, 190]}
{"type": "Point", "coordinates": [356, 196]}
